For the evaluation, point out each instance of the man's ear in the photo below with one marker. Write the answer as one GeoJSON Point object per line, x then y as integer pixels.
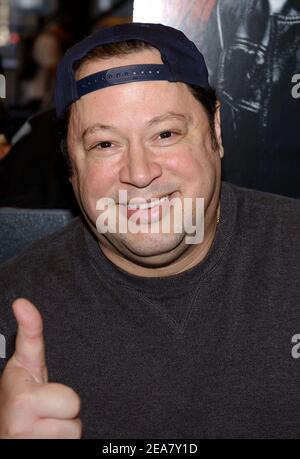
{"type": "Point", "coordinates": [218, 130]}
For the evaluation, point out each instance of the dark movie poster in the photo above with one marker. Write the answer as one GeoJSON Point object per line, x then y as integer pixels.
{"type": "Point", "coordinates": [252, 50]}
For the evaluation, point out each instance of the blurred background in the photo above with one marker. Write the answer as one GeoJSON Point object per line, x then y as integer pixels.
{"type": "Point", "coordinates": [34, 34]}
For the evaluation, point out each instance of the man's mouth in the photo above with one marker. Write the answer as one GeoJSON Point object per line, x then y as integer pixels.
{"type": "Point", "coordinates": [148, 205]}
{"type": "Point", "coordinates": [151, 211]}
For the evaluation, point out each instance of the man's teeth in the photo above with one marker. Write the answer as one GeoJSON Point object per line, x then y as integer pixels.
{"type": "Point", "coordinates": [147, 205]}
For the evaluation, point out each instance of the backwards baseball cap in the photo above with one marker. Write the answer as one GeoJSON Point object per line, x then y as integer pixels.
{"type": "Point", "coordinates": [182, 61]}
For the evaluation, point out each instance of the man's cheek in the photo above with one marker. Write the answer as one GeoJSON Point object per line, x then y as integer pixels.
{"type": "Point", "coordinates": [92, 189]}
{"type": "Point", "coordinates": [189, 168]}
{"type": "Point", "coordinates": [181, 163]}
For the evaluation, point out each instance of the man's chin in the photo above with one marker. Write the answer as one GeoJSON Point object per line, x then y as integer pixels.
{"type": "Point", "coordinates": [151, 245]}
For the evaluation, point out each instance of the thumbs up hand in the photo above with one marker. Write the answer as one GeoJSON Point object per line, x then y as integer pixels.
{"type": "Point", "coordinates": [30, 406]}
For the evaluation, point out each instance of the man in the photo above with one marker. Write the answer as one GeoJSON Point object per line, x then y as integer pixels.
{"type": "Point", "coordinates": [151, 333]}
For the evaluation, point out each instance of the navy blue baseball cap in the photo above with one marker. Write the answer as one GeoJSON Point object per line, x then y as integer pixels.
{"type": "Point", "coordinates": [182, 61]}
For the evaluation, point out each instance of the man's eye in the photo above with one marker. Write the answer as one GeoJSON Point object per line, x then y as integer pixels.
{"type": "Point", "coordinates": [166, 134]}
{"type": "Point", "coordinates": [104, 144]}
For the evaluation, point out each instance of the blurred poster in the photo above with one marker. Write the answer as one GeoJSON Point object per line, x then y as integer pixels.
{"type": "Point", "coordinates": [252, 50]}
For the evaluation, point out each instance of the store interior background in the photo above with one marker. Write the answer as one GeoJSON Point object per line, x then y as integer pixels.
{"type": "Point", "coordinates": [28, 30]}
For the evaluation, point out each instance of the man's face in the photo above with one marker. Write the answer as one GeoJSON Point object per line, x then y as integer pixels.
{"type": "Point", "coordinates": [151, 139]}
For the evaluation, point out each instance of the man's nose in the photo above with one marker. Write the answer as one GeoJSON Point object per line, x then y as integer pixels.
{"type": "Point", "coordinates": [140, 167]}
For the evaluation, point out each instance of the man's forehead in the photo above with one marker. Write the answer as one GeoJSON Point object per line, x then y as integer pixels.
{"type": "Point", "coordinates": [181, 117]}
{"type": "Point", "coordinates": [143, 104]}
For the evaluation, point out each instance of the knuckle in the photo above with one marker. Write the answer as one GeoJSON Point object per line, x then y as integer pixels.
{"type": "Point", "coordinates": [71, 396]}
{"type": "Point", "coordinates": [77, 428]}
{"type": "Point", "coordinates": [74, 400]}
{"type": "Point", "coordinates": [76, 403]}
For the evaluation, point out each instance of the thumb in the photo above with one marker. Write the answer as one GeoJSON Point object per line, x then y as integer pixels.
{"type": "Point", "coordinates": [30, 348]}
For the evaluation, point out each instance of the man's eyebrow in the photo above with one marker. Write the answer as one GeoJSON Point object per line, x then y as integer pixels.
{"type": "Point", "coordinates": [97, 127]}
{"type": "Point", "coordinates": [166, 116]}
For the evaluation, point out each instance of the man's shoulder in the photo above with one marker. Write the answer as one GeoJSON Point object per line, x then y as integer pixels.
{"type": "Point", "coordinates": [268, 223]}
{"type": "Point", "coordinates": [263, 204]}
{"type": "Point", "coordinates": [45, 253]}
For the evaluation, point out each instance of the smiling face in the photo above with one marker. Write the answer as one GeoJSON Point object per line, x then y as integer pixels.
{"type": "Point", "coordinates": [151, 139]}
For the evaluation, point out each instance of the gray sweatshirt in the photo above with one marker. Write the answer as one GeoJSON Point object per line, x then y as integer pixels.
{"type": "Point", "coordinates": [210, 353]}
